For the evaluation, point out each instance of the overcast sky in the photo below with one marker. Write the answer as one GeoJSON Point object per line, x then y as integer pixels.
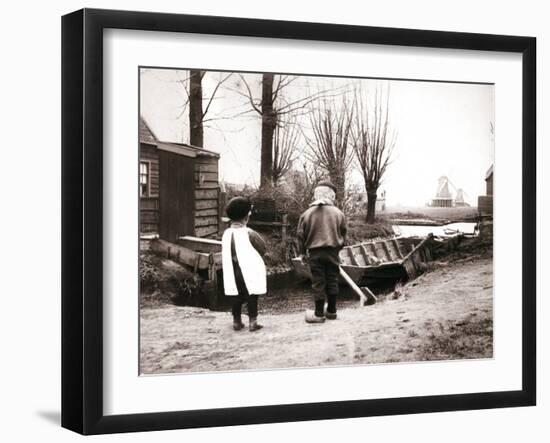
{"type": "Point", "coordinates": [442, 128]}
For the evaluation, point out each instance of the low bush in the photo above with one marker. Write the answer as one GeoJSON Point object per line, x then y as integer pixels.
{"type": "Point", "coordinates": [359, 230]}
{"type": "Point", "coordinates": [164, 281]}
{"type": "Point", "coordinates": [149, 274]}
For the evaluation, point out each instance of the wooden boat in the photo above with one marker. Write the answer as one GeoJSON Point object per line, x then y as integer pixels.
{"type": "Point", "coordinates": [383, 262]}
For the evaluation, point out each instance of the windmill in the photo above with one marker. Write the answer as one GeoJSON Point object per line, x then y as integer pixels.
{"type": "Point", "coordinates": [461, 196]}
{"type": "Point", "coordinates": [443, 196]}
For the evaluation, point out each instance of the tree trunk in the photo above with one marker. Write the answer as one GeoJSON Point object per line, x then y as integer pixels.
{"type": "Point", "coordinates": [338, 181]}
{"type": "Point", "coordinates": [269, 122]}
{"type": "Point", "coordinates": [371, 205]}
{"type": "Point", "coordinates": [195, 108]}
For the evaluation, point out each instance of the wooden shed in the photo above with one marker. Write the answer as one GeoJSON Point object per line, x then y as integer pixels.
{"type": "Point", "coordinates": [179, 188]}
{"type": "Point", "coordinates": [485, 202]}
{"type": "Point", "coordinates": [148, 179]}
{"type": "Point", "coordinates": [489, 181]}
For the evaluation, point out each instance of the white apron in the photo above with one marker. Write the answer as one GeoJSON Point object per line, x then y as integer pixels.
{"type": "Point", "coordinates": [250, 261]}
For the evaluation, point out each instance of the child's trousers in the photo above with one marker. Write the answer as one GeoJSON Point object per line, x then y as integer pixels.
{"type": "Point", "coordinates": [324, 264]}
{"type": "Point", "coordinates": [251, 304]}
{"type": "Point", "coordinates": [243, 297]}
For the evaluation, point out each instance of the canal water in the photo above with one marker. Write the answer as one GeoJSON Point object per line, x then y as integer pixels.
{"type": "Point", "coordinates": [438, 231]}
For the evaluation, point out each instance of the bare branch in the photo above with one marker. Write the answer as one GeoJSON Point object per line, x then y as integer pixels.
{"type": "Point", "coordinates": [329, 145]}
{"type": "Point", "coordinates": [303, 102]}
{"type": "Point", "coordinates": [286, 142]}
{"type": "Point", "coordinates": [373, 141]}
{"type": "Point", "coordinates": [221, 82]}
{"type": "Point", "coordinates": [248, 95]}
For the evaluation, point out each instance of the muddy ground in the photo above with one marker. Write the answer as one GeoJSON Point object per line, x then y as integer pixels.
{"type": "Point", "coordinates": [444, 314]}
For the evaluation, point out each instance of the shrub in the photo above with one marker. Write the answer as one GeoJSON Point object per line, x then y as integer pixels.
{"type": "Point", "coordinates": [359, 230]}
{"type": "Point", "coordinates": [164, 281]}
{"type": "Point", "coordinates": [149, 274]}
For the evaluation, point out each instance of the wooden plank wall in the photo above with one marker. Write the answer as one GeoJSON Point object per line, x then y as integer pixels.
{"type": "Point", "coordinates": [149, 214]}
{"type": "Point", "coordinates": [207, 193]}
{"type": "Point", "coordinates": [489, 183]}
{"type": "Point", "coordinates": [176, 214]}
{"type": "Point", "coordinates": [485, 205]}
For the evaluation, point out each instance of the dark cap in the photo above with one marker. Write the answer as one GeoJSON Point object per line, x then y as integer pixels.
{"type": "Point", "coordinates": [327, 183]}
{"type": "Point", "coordinates": [238, 208]}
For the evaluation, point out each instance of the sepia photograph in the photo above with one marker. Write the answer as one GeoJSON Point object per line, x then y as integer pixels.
{"type": "Point", "coordinates": [290, 220]}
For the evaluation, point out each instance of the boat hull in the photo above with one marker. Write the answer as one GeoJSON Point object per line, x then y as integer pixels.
{"type": "Point", "coordinates": [394, 260]}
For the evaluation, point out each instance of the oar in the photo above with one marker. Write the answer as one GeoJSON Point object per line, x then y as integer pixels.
{"type": "Point", "coordinates": [359, 291]}
{"type": "Point", "coordinates": [363, 299]}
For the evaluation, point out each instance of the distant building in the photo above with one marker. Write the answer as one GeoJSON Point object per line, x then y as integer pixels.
{"type": "Point", "coordinates": [381, 201]}
{"type": "Point", "coordinates": [489, 181]}
{"type": "Point", "coordinates": [359, 201]}
{"type": "Point", "coordinates": [443, 197]}
{"type": "Point", "coordinates": [460, 200]}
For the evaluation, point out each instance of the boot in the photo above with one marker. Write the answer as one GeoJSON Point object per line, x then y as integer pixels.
{"type": "Point", "coordinates": [330, 315]}
{"type": "Point", "coordinates": [237, 324]}
{"type": "Point", "coordinates": [312, 318]}
{"type": "Point", "coordinates": [254, 325]}
{"type": "Point", "coordinates": [330, 308]}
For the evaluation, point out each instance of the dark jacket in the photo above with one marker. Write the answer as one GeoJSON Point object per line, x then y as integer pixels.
{"type": "Point", "coordinates": [256, 240]}
{"type": "Point", "coordinates": [320, 226]}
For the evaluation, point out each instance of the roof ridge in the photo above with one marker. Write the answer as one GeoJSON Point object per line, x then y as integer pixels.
{"type": "Point", "coordinates": [143, 121]}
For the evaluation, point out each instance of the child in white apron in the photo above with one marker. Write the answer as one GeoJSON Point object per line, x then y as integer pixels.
{"type": "Point", "coordinates": [244, 273]}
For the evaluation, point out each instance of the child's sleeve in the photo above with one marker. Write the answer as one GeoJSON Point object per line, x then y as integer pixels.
{"type": "Point", "coordinates": [344, 226]}
{"type": "Point", "coordinates": [300, 235]}
{"type": "Point", "coordinates": [257, 242]}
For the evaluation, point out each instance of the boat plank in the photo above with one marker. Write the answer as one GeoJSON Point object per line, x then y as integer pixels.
{"type": "Point", "coordinates": [381, 252]}
{"type": "Point", "coordinates": [397, 248]}
{"type": "Point", "coordinates": [365, 253]}
{"type": "Point", "coordinates": [352, 257]}
{"type": "Point", "coordinates": [372, 250]}
{"type": "Point", "coordinates": [387, 250]}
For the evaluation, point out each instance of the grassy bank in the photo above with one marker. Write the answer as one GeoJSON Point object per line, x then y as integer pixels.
{"type": "Point", "coordinates": [457, 214]}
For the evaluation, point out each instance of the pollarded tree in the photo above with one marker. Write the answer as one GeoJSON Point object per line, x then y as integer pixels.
{"type": "Point", "coordinates": [373, 142]}
{"type": "Point", "coordinates": [286, 142]}
{"type": "Point", "coordinates": [329, 142]}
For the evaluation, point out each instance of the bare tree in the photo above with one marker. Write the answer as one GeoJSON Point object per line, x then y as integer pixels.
{"type": "Point", "coordinates": [269, 123]}
{"type": "Point", "coordinates": [286, 140]}
{"type": "Point", "coordinates": [196, 114]}
{"type": "Point", "coordinates": [373, 142]}
{"type": "Point", "coordinates": [275, 107]}
{"type": "Point", "coordinates": [193, 88]}
{"type": "Point", "coordinates": [330, 142]}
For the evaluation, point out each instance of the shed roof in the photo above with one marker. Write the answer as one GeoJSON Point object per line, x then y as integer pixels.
{"type": "Point", "coordinates": [489, 173]}
{"type": "Point", "coordinates": [187, 150]}
{"type": "Point", "coordinates": [147, 136]}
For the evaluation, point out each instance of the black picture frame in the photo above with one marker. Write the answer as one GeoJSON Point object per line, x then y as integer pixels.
{"type": "Point", "coordinates": [82, 215]}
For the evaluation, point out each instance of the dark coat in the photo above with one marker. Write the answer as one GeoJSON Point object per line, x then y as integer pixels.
{"type": "Point", "coordinates": [321, 226]}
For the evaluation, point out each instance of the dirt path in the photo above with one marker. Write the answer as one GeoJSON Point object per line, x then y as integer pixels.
{"type": "Point", "coordinates": [444, 314]}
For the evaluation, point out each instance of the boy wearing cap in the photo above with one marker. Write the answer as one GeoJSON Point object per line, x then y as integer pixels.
{"type": "Point", "coordinates": [321, 233]}
{"type": "Point", "coordinates": [244, 273]}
